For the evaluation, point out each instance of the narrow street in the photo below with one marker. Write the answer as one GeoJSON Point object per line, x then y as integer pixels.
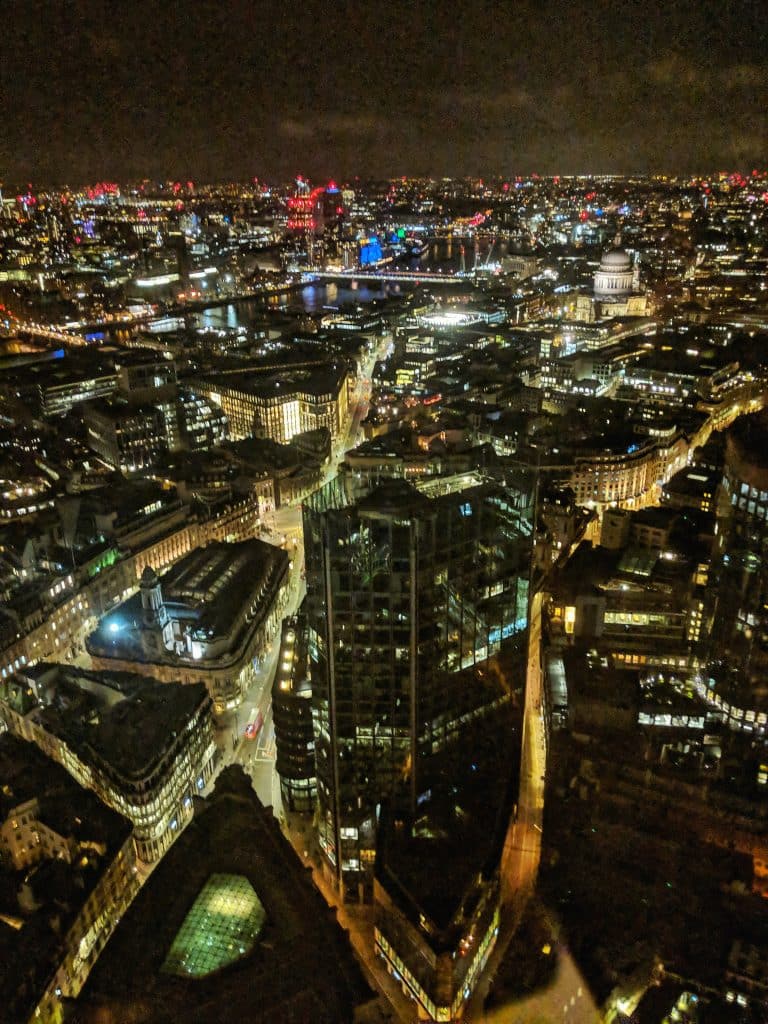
{"type": "Point", "coordinates": [567, 1000]}
{"type": "Point", "coordinates": [283, 527]}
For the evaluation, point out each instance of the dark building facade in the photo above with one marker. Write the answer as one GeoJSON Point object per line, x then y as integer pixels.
{"type": "Point", "coordinates": [410, 593]}
{"type": "Point", "coordinates": [292, 715]}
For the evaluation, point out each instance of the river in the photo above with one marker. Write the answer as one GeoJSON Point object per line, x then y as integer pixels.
{"type": "Point", "coordinates": [443, 254]}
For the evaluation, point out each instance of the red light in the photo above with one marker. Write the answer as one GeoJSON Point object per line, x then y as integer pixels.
{"type": "Point", "coordinates": [78, 239]}
{"type": "Point", "coordinates": [339, 210]}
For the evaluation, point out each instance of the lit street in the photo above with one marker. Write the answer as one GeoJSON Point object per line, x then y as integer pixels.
{"type": "Point", "coordinates": [568, 998]}
{"type": "Point", "coordinates": [284, 527]}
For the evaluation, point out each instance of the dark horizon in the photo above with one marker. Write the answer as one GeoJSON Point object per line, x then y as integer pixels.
{"type": "Point", "coordinates": [236, 90]}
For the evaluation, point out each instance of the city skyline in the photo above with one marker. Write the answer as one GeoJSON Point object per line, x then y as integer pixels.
{"type": "Point", "coordinates": [232, 91]}
{"type": "Point", "coordinates": [383, 559]}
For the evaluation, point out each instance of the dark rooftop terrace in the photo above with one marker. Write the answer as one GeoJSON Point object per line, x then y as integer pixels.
{"type": "Point", "coordinates": [129, 721]}
{"type": "Point", "coordinates": [301, 969]}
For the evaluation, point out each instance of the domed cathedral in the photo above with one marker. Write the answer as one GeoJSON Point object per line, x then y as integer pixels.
{"type": "Point", "coordinates": [157, 632]}
{"type": "Point", "coordinates": [616, 289]}
{"type": "Point", "coordinates": [615, 279]}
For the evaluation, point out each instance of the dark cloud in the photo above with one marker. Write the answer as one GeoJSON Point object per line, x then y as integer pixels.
{"type": "Point", "coordinates": [231, 89]}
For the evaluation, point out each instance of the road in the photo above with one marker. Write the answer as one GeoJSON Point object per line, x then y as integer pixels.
{"type": "Point", "coordinates": [257, 755]}
{"type": "Point", "coordinates": [284, 527]}
{"type": "Point", "coordinates": [522, 849]}
{"type": "Point", "coordinates": [568, 999]}
{"type": "Point", "coordinates": [357, 920]}
{"type": "Point", "coordinates": [360, 404]}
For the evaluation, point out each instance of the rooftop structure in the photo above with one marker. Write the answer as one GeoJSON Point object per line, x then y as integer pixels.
{"type": "Point", "coordinates": [222, 925]}
{"type": "Point", "coordinates": [228, 922]}
{"type": "Point", "coordinates": [279, 405]}
{"type": "Point", "coordinates": [615, 277]}
{"type": "Point", "coordinates": [146, 748]}
{"type": "Point", "coordinates": [66, 877]}
{"type": "Point", "coordinates": [204, 620]}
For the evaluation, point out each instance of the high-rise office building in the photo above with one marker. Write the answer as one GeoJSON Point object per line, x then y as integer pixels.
{"type": "Point", "coordinates": [738, 594]}
{"type": "Point", "coordinates": [411, 593]}
{"type": "Point", "coordinates": [292, 716]}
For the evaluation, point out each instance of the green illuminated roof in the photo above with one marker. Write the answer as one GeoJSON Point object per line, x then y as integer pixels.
{"type": "Point", "coordinates": [222, 926]}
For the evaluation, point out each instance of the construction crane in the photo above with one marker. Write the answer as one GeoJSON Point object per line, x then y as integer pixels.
{"type": "Point", "coordinates": [487, 263]}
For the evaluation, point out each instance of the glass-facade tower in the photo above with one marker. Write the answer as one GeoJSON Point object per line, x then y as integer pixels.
{"type": "Point", "coordinates": [410, 591]}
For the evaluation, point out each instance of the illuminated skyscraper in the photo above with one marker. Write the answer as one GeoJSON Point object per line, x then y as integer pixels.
{"type": "Point", "coordinates": [410, 593]}
{"type": "Point", "coordinates": [316, 214]}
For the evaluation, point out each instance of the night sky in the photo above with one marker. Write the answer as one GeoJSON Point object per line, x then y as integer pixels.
{"type": "Point", "coordinates": [228, 90]}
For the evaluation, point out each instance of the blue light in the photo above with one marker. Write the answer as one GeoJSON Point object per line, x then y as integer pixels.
{"type": "Point", "coordinates": [114, 627]}
{"type": "Point", "coordinates": [370, 252]}
{"type": "Point", "coordinates": [512, 627]}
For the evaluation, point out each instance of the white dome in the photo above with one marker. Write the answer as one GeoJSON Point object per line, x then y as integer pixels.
{"type": "Point", "coordinates": [615, 278]}
{"type": "Point", "coordinates": [615, 260]}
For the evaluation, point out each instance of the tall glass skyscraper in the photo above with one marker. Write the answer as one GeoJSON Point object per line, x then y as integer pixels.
{"type": "Point", "coordinates": [411, 592]}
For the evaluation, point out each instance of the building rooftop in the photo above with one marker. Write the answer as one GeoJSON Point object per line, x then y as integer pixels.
{"type": "Point", "coordinates": [205, 592]}
{"type": "Point", "coordinates": [693, 481]}
{"type": "Point", "coordinates": [430, 865]}
{"type": "Point", "coordinates": [128, 721]}
{"type": "Point", "coordinates": [39, 903]}
{"type": "Point", "coordinates": [747, 447]}
{"type": "Point", "coordinates": [320, 379]}
{"type": "Point", "coordinates": [230, 862]}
